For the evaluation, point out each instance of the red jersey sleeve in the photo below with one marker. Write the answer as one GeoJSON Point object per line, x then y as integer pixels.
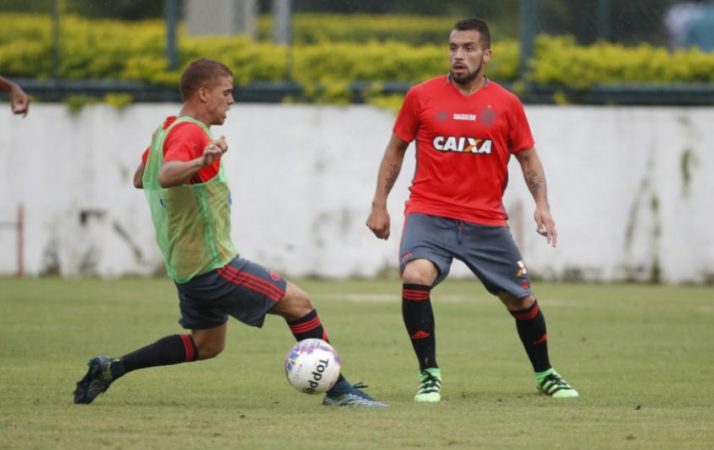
{"type": "Point", "coordinates": [519, 135]}
{"type": "Point", "coordinates": [185, 142]}
{"type": "Point", "coordinates": [145, 155]}
{"type": "Point", "coordinates": [407, 123]}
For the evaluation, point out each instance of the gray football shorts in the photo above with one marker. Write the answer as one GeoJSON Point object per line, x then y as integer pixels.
{"type": "Point", "coordinates": [242, 289]}
{"type": "Point", "coordinates": [489, 251]}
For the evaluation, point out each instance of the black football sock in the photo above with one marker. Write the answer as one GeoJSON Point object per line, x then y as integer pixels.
{"type": "Point", "coordinates": [531, 329]}
{"type": "Point", "coordinates": [310, 327]}
{"type": "Point", "coordinates": [419, 321]}
{"type": "Point", "coordinates": [168, 350]}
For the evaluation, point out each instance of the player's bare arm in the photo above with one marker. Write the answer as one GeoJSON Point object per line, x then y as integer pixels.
{"type": "Point", "coordinates": [139, 176]}
{"type": "Point", "coordinates": [378, 220]}
{"type": "Point", "coordinates": [19, 101]}
{"type": "Point", "coordinates": [534, 176]}
{"type": "Point", "coordinates": [176, 173]}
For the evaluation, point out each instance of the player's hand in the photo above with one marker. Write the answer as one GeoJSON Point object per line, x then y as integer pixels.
{"type": "Point", "coordinates": [546, 225]}
{"type": "Point", "coordinates": [214, 150]}
{"type": "Point", "coordinates": [378, 222]}
{"type": "Point", "coordinates": [19, 101]}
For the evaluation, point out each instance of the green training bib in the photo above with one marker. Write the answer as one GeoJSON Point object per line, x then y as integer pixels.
{"type": "Point", "coordinates": [192, 221]}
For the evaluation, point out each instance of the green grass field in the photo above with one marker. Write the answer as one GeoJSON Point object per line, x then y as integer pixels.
{"type": "Point", "coordinates": [642, 358]}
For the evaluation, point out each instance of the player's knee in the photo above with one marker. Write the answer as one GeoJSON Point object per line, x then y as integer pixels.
{"type": "Point", "coordinates": [514, 303]}
{"type": "Point", "coordinates": [208, 350]}
{"type": "Point", "coordinates": [295, 305]}
{"type": "Point", "coordinates": [417, 272]}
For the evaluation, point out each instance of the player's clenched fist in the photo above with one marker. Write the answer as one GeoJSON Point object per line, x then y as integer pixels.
{"type": "Point", "coordinates": [214, 150]}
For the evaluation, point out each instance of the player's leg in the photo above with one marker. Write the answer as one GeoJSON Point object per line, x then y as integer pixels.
{"type": "Point", "coordinates": [423, 264]}
{"type": "Point", "coordinates": [209, 342]}
{"type": "Point", "coordinates": [297, 309]}
{"type": "Point", "coordinates": [493, 256]}
{"type": "Point", "coordinates": [418, 316]}
{"type": "Point", "coordinates": [173, 349]}
{"type": "Point", "coordinates": [531, 327]}
{"type": "Point", "coordinates": [256, 291]}
{"type": "Point", "coordinates": [530, 324]}
{"type": "Point", "coordinates": [207, 338]}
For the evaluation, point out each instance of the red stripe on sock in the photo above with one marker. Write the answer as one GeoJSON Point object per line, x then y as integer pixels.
{"type": "Point", "coordinates": [415, 291]}
{"type": "Point", "coordinates": [420, 335]}
{"type": "Point", "coordinates": [541, 339]}
{"type": "Point", "coordinates": [188, 347]}
{"type": "Point", "coordinates": [527, 315]}
{"type": "Point", "coordinates": [408, 294]}
{"type": "Point", "coordinates": [307, 326]}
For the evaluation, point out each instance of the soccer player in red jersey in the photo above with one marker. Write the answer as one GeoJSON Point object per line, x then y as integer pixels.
{"type": "Point", "coordinates": [187, 190]}
{"type": "Point", "coordinates": [466, 128]}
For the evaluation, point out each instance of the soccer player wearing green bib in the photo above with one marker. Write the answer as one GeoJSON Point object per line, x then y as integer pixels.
{"type": "Point", "coordinates": [186, 187]}
{"type": "Point", "coordinates": [466, 127]}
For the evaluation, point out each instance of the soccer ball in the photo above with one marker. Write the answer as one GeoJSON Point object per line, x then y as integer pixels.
{"type": "Point", "coordinates": [312, 366]}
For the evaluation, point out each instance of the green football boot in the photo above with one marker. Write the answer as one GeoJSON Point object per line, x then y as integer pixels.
{"type": "Point", "coordinates": [429, 386]}
{"type": "Point", "coordinates": [552, 384]}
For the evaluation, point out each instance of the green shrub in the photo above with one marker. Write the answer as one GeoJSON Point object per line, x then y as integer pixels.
{"type": "Point", "coordinates": [75, 103]}
{"type": "Point", "coordinates": [559, 61]}
{"type": "Point", "coordinates": [310, 28]}
{"type": "Point", "coordinates": [329, 60]}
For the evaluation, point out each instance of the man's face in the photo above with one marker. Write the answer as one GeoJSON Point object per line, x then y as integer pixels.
{"type": "Point", "coordinates": [466, 55]}
{"type": "Point", "coordinates": [219, 98]}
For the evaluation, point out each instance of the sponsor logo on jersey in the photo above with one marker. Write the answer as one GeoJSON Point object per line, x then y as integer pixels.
{"type": "Point", "coordinates": [487, 116]}
{"type": "Point", "coordinates": [462, 144]}
{"type": "Point", "coordinates": [469, 117]}
{"type": "Point", "coordinates": [442, 116]}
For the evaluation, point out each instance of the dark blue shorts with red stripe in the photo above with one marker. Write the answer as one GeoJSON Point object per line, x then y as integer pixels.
{"type": "Point", "coordinates": [242, 289]}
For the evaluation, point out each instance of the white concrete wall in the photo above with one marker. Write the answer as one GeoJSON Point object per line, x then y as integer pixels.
{"type": "Point", "coordinates": [303, 177]}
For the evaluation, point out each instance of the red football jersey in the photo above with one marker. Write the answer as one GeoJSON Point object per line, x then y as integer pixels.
{"type": "Point", "coordinates": [463, 144]}
{"type": "Point", "coordinates": [185, 142]}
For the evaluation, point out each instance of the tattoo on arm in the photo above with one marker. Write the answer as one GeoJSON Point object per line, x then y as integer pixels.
{"type": "Point", "coordinates": [392, 174]}
{"type": "Point", "coordinates": [532, 172]}
{"type": "Point", "coordinates": [534, 181]}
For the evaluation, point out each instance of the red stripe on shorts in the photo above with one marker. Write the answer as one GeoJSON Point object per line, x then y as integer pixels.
{"type": "Point", "coordinates": [249, 276]}
{"type": "Point", "coordinates": [251, 282]}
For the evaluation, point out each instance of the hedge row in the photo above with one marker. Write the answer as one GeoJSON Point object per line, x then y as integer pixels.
{"type": "Point", "coordinates": [559, 61]}
{"type": "Point", "coordinates": [308, 28]}
{"type": "Point", "coordinates": [106, 49]}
